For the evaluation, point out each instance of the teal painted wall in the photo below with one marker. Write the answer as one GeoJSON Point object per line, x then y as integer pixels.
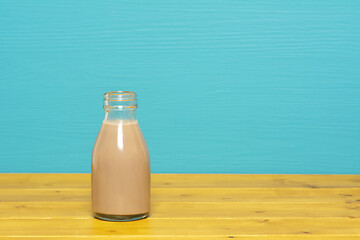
{"type": "Point", "coordinates": [224, 86]}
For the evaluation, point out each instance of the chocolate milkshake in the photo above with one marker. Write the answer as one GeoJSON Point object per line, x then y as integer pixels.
{"type": "Point", "coordinates": [120, 163]}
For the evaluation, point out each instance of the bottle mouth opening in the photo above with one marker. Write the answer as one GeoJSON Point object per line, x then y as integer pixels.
{"type": "Point", "coordinates": [120, 99]}
{"type": "Point", "coordinates": [120, 96]}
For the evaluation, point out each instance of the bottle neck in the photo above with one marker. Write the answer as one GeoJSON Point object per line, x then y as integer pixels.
{"type": "Point", "coordinates": [120, 115]}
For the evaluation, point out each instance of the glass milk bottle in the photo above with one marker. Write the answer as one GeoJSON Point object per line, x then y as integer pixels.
{"type": "Point", "coordinates": [120, 173]}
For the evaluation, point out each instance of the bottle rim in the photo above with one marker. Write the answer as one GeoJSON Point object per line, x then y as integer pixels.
{"type": "Point", "coordinates": [120, 96]}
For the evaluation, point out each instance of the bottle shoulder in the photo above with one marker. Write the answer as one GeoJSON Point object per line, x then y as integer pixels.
{"type": "Point", "coordinates": [120, 136]}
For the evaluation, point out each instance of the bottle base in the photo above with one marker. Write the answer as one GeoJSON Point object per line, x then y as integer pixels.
{"type": "Point", "coordinates": [120, 218]}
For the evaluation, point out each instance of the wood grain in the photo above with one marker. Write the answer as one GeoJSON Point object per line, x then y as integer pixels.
{"type": "Point", "coordinates": [188, 210]}
{"type": "Point", "coordinates": [69, 180]}
{"type": "Point", "coordinates": [195, 195]}
{"type": "Point", "coordinates": [185, 206]}
{"type": "Point", "coordinates": [183, 227]}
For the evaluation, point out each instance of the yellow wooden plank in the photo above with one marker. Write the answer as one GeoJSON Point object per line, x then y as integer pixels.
{"type": "Point", "coordinates": [171, 210]}
{"type": "Point", "coordinates": [46, 180]}
{"type": "Point", "coordinates": [195, 195]}
{"type": "Point", "coordinates": [176, 227]}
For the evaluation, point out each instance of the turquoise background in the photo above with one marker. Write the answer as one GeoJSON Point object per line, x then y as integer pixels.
{"type": "Point", "coordinates": [224, 86]}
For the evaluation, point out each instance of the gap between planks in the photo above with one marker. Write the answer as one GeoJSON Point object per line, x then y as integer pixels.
{"type": "Point", "coordinates": [348, 195]}
{"type": "Point", "coordinates": [55, 180]}
{"type": "Point", "coordinates": [197, 237]}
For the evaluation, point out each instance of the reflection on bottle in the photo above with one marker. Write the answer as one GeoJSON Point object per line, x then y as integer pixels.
{"type": "Point", "coordinates": [120, 137]}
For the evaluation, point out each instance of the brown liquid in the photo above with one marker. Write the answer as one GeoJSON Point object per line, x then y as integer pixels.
{"type": "Point", "coordinates": [120, 170]}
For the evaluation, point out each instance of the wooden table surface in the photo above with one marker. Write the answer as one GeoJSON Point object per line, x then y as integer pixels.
{"type": "Point", "coordinates": [188, 206]}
